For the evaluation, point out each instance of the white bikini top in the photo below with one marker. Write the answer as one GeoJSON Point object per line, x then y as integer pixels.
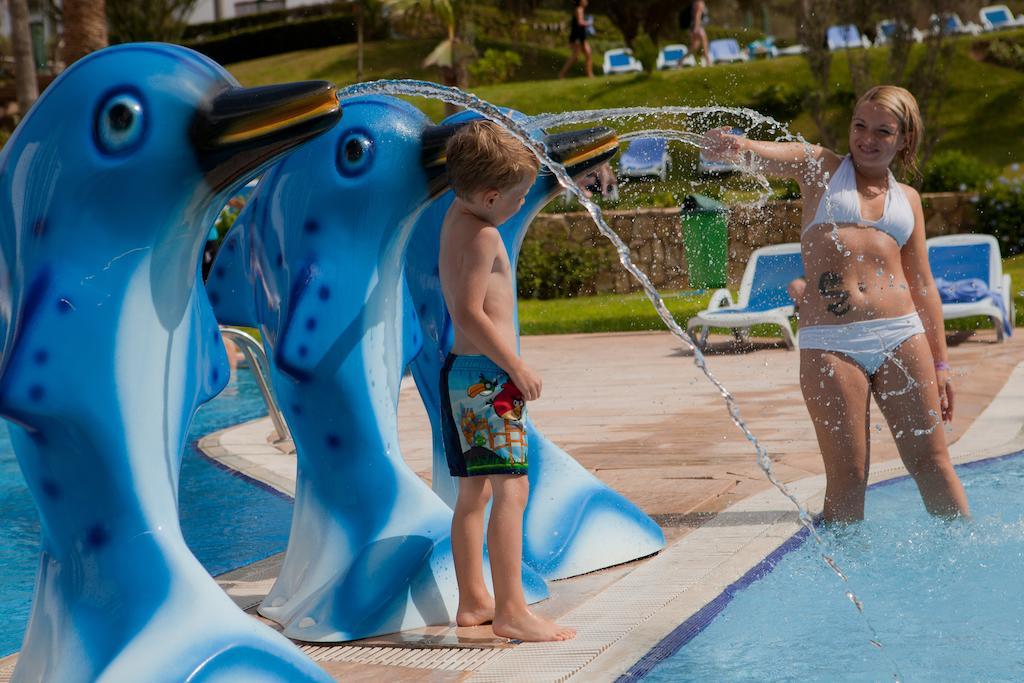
{"type": "Point", "coordinates": [841, 205]}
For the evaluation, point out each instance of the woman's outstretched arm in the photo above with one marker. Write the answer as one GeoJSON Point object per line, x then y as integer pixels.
{"type": "Point", "coordinates": [803, 162]}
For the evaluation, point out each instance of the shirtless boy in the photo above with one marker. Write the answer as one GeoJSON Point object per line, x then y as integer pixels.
{"type": "Point", "coordinates": [484, 383]}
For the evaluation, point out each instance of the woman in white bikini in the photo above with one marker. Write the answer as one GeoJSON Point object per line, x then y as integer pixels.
{"type": "Point", "coordinates": [870, 315]}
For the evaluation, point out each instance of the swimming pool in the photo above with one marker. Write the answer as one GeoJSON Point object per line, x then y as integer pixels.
{"type": "Point", "coordinates": [944, 598]}
{"type": "Point", "coordinates": [228, 521]}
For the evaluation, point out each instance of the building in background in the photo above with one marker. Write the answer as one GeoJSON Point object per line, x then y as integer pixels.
{"type": "Point", "coordinates": [43, 25]}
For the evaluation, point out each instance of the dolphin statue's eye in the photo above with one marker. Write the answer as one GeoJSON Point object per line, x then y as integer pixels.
{"type": "Point", "coordinates": [120, 123]}
{"type": "Point", "coordinates": [355, 153]}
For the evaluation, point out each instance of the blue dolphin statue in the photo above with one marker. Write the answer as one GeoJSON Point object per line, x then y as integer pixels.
{"type": "Point", "coordinates": [315, 262]}
{"type": "Point", "coordinates": [107, 190]}
{"type": "Point", "coordinates": [574, 523]}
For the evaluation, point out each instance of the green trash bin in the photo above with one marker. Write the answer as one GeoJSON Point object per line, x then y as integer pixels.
{"type": "Point", "coordinates": [706, 236]}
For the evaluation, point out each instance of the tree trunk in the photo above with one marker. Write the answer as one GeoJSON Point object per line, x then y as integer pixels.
{"type": "Point", "coordinates": [359, 42]}
{"type": "Point", "coordinates": [24, 63]}
{"type": "Point", "coordinates": [813, 17]}
{"type": "Point", "coordinates": [85, 28]}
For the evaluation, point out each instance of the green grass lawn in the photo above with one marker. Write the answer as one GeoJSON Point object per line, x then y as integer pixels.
{"type": "Point", "coordinates": [634, 312]}
{"type": "Point", "coordinates": [606, 312]}
{"type": "Point", "coordinates": [982, 114]}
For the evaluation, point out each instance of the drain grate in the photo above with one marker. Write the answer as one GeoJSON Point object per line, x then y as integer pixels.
{"type": "Point", "coordinates": [442, 658]}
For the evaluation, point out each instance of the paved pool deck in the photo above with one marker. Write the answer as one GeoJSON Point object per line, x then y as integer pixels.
{"type": "Point", "coordinates": [635, 410]}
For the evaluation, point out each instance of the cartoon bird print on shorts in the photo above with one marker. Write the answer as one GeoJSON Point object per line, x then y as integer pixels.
{"type": "Point", "coordinates": [509, 403]}
{"type": "Point", "coordinates": [485, 387]}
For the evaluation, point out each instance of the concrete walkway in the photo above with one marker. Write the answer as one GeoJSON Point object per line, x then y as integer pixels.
{"type": "Point", "coordinates": [635, 410]}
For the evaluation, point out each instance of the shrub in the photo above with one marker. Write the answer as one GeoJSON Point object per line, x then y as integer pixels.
{"type": "Point", "coordinates": [1005, 53]}
{"type": "Point", "coordinates": [954, 171]}
{"type": "Point", "coordinates": [788, 189]}
{"type": "Point", "coordinates": [496, 66]}
{"type": "Point", "coordinates": [646, 51]}
{"type": "Point", "coordinates": [1001, 213]}
{"type": "Point", "coordinates": [781, 101]}
{"type": "Point", "coordinates": [556, 268]}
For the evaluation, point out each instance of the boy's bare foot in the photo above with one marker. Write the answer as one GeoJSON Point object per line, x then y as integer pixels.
{"type": "Point", "coordinates": [529, 627]}
{"type": "Point", "coordinates": [476, 613]}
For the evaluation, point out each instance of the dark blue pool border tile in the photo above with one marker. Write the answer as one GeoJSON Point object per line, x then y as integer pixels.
{"type": "Point", "coordinates": [702, 618]}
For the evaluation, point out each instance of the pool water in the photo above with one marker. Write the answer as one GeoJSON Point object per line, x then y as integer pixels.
{"type": "Point", "coordinates": [228, 521]}
{"type": "Point", "coordinates": [945, 598]}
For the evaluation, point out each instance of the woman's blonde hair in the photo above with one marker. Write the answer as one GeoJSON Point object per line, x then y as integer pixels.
{"type": "Point", "coordinates": [902, 104]}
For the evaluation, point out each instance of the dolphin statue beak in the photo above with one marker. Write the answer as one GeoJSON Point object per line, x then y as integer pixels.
{"type": "Point", "coordinates": [577, 150]}
{"type": "Point", "coordinates": [581, 150]}
{"type": "Point", "coordinates": [239, 129]}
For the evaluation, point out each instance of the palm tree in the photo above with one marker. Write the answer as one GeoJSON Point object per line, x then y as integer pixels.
{"type": "Point", "coordinates": [85, 28]}
{"type": "Point", "coordinates": [24, 62]}
{"type": "Point", "coordinates": [452, 54]}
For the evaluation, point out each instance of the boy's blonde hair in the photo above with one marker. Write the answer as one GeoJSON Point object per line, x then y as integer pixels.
{"type": "Point", "coordinates": [484, 156]}
{"type": "Point", "coordinates": [901, 103]}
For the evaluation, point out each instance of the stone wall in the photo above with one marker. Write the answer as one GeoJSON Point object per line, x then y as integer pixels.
{"type": "Point", "coordinates": [655, 239]}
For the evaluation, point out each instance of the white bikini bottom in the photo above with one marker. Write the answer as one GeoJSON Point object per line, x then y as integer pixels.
{"type": "Point", "coordinates": [868, 343]}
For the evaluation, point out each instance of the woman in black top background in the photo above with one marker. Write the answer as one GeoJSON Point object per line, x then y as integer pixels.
{"type": "Point", "coordinates": [578, 41]}
{"type": "Point", "coordinates": [693, 17]}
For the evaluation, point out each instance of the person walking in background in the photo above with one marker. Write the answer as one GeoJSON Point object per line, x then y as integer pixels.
{"type": "Point", "coordinates": [693, 17]}
{"type": "Point", "coordinates": [578, 41]}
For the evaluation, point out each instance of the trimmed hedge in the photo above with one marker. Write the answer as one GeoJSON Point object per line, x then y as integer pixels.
{"type": "Point", "coordinates": [286, 36]}
{"type": "Point", "coordinates": [217, 29]}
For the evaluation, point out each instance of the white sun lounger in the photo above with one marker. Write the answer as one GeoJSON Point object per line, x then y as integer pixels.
{"type": "Point", "coordinates": [956, 258]}
{"type": "Point", "coordinates": [763, 298]}
{"type": "Point", "coordinates": [621, 61]}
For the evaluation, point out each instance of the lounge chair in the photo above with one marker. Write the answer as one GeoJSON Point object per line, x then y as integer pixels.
{"type": "Point", "coordinates": [951, 25]}
{"type": "Point", "coordinates": [621, 61]}
{"type": "Point", "coordinates": [995, 17]}
{"type": "Point", "coordinates": [763, 297]}
{"type": "Point", "coordinates": [645, 157]}
{"type": "Point", "coordinates": [886, 31]}
{"type": "Point", "coordinates": [725, 50]}
{"type": "Point", "coordinates": [706, 166]}
{"type": "Point", "coordinates": [762, 48]}
{"type": "Point", "coordinates": [791, 50]}
{"type": "Point", "coordinates": [969, 273]}
{"type": "Point", "coordinates": [673, 57]}
{"type": "Point", "coordinates": [845, 37]}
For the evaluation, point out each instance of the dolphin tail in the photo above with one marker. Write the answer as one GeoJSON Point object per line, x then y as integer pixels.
{"type": "Point", "coordinates": [343, 582]}
{"type": "Point", "coordinates": [575, 523]}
